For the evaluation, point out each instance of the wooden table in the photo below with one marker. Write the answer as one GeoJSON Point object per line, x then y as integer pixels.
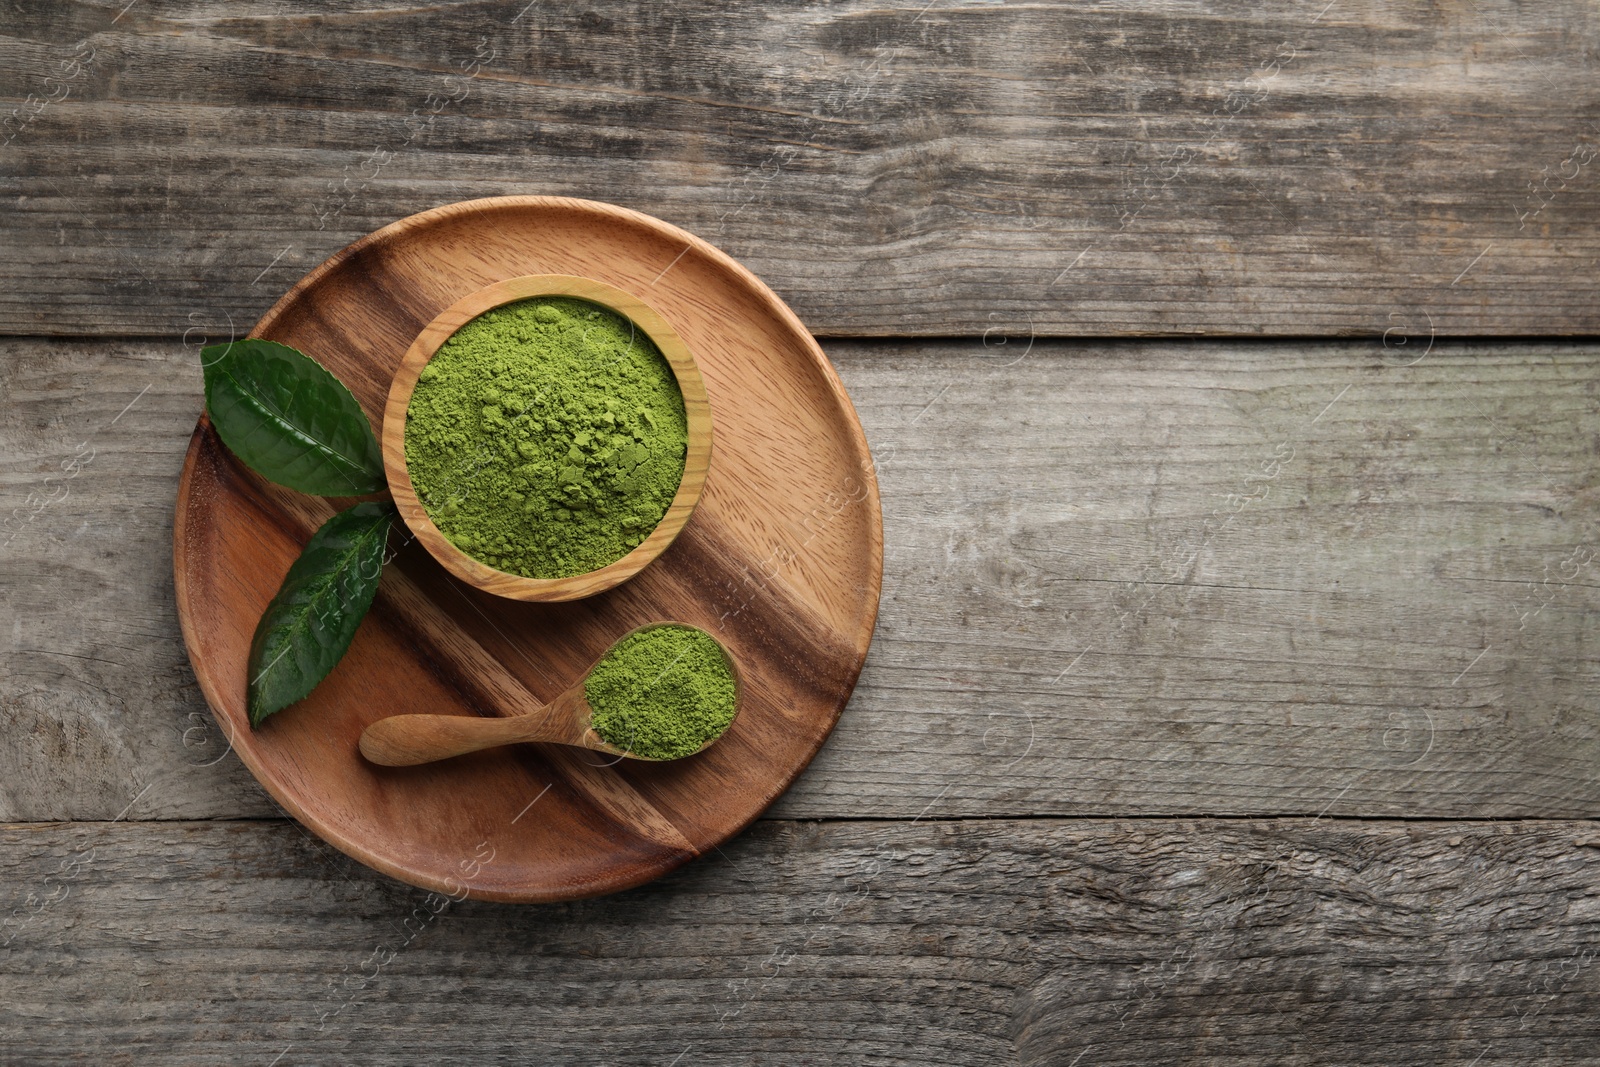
{"type": "Point", "coordinates": [1234, 694]}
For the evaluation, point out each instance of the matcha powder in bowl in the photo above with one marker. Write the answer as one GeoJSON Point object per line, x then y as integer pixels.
{"type": "Point", "coordinates": [546, 437]}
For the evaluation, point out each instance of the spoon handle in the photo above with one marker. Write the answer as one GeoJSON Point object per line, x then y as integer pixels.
{"type": "Point", "coordinates": [406, 740]}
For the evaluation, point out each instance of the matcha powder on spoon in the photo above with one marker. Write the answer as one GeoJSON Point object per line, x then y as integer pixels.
{"type": "Point", "coordinates": [546, 437]}
{"type": "Point", "coordinates": [662, 692]}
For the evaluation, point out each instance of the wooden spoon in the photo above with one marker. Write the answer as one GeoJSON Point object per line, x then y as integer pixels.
{"type": "Point", "coordinates": [406, 740]}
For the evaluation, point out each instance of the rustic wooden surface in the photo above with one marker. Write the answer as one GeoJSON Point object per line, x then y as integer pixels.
{"type": "Point", "coordinates": [1396, 621]}
{"type": "Point", "coordinates": [1201, 665]}
{"type": "Point", "coordinates": [917, 168]}
{"type": "Point", "coordinates": [1038, 942]}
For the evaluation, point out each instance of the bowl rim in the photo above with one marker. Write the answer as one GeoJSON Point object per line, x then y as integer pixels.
{"type": "Point", "coordinates": [697, 454]}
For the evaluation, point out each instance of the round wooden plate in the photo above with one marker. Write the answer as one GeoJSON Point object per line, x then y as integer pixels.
{"type": "Point", "coordinates": [783, 561]}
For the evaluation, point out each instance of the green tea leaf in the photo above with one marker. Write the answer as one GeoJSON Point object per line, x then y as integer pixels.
{"type": "Point", "coordinates": [309, 624]}
{"type": "Point", "coordinates": [289, 419]}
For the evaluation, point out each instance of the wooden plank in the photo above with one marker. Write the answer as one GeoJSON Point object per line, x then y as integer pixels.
{"type": "Point", "coordinates": [1115, 168]}
{"type": "Point", "coordinates": [987, 942]}
{"type": "Point", "coordinates": [1134, 578]}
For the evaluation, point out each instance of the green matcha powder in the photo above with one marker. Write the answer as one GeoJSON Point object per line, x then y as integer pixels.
{"type": "Point", "coordinates": [662, 693]}
{"type": "Point", "coordinates": [546, 437]}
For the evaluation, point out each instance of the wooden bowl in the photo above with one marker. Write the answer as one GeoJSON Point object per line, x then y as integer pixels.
{"type": "Point", "coordinates": [696, 461]}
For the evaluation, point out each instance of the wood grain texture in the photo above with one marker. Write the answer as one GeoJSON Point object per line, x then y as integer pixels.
{"type": "Point", "coordinates": [1037, 942]}
{"type": "Point", "coordinates": [1399, 622]}
{"type": "Point", "coordinates": [791, 457]}
{"type": "Point", "coordinates": [407, 740]}
{"type": "Point", "coordinates": [954, 168]}
{"type": "Point", "coordinates": [697, 455]}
